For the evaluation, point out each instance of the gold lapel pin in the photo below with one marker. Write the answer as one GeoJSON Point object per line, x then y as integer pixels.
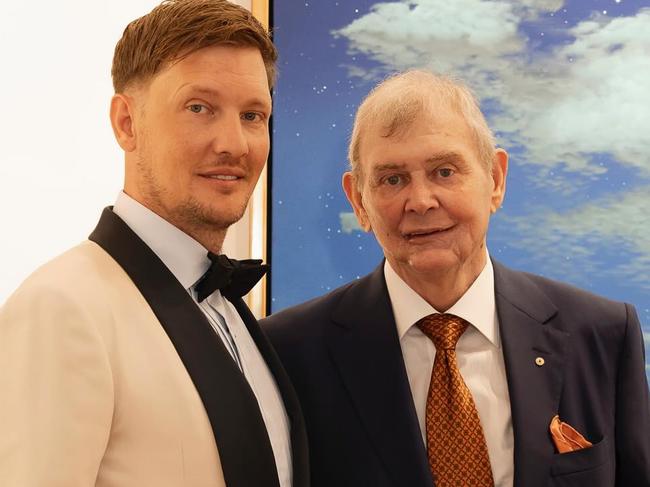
{"type": "Point", "coordinates": [539, 361]}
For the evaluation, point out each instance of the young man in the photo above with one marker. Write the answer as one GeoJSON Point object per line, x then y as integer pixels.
{"type": "Point", "coordinates": [131, 360]}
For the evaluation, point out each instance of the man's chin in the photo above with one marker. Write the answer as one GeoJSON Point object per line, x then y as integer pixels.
{"type": "Point", "coordinates": [223, 220]}
{"type": "Point", "coordinates": [217, 218]}
{"type": "Point", "coordinates": [432, 261]}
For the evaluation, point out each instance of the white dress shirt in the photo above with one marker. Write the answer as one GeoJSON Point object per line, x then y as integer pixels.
{"type": "Point", "coordinates": [479, 356]}
{"type": "Point", "coordinates": [187, 260]}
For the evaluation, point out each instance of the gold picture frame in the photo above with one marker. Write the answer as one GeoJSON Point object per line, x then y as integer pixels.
{"type": "Point", "coordinates": [260, 9]}
{"type": "Point", "coordinates": [258, 204]}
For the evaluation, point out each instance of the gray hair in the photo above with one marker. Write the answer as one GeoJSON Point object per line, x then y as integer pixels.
{"type": "Point", "coordinates": [395, 103]}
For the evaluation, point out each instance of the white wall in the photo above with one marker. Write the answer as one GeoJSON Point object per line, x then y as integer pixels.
{"type": "Point", "coordinates": [59, 162]}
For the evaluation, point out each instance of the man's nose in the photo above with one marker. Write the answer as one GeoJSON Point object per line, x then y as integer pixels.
{"type": "Point", "coordinates": [422, 196]}
{"type": "Point", "coordinates": [229, 137]}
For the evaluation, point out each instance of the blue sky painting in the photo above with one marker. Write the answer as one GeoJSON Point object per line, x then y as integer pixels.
{"type": "Point", "coordinates": [565, 86]}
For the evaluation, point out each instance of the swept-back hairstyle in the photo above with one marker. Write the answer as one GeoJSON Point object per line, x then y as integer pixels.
{"type": "Point", "coordinates": [396, 103]}
{"type": "Point", "coordinates": [176, 28]}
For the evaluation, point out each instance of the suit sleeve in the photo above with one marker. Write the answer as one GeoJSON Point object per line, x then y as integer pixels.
{"type": "Point", "coordinates": [56, 391]}
{"type": "Point", "coordinates": [632, 410]}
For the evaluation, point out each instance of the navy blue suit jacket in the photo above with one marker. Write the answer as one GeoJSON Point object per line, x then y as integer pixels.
{"type": "Point", "coordinates": [343, 355]}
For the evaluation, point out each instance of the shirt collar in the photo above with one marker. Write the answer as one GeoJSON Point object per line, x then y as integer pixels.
{"type": "Point", "coordinates": [477, 305]}
{"type": "Point", "coordinates": [186, 258]}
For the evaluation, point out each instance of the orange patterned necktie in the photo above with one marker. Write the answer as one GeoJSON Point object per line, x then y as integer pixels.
{"type": "Point", "coordinates": [456, 448]}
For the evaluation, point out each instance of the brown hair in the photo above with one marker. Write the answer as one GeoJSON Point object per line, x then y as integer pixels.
{"type": "Point", "coordinates": [396, 103]}
{"type": "Point", "coordinates": [176, 28]}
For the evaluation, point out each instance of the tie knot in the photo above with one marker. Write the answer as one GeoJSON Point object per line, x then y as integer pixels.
{"type": "Point", "coordinates": [443, 330]}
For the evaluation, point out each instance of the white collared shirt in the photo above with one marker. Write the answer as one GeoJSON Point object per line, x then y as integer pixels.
{"type": "Point", "coordinates": [187, 260]}
{"type": "Point", "coordinates": [479, 356]}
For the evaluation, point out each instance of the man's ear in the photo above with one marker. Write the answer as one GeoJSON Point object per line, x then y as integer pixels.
{"type": "Point", "coordinates": [122, 120]}
{"type": "Point", "coordinates": [351, 188]}
{"type": "Point", "coordinates": [499, 174]}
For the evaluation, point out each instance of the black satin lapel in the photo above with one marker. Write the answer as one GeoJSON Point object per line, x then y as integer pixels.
{"type": "Point", "coordinates": [299, 451]}
{"type": "Point", "coordinates": [365, 347]}
{"type": "Point", "coordinates": [244, 447]}
{"type": "Point", "coordinates": [526, 334]}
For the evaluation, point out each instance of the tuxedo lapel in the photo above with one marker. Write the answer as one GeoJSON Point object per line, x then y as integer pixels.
{"type": "Point", "coordinates": [534, 386]}
{"type": "Point", "coordinates": [300, 457]}
{"type": "Point", "coordinates": [244, 447]}
{"type": "Point", "coordinates": [365, 347]}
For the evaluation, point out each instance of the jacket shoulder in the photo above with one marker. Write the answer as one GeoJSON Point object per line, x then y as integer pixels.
{"type": "Point", "coordinates": [304, 316]}
{"type": "Point", "coordinates": [575, 305]}
{"type": "Point", "coordinates": [310, 320]}
{"type": "Point", "coordinates": [79, 278]}
{"type": "Point", "coordinates": [561, 292]}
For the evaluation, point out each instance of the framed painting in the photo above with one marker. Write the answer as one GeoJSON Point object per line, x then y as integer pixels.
{"type": "Point", "coordinates": [563, 84]}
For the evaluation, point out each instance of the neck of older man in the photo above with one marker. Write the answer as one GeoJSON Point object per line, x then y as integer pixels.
{"type": "Point", "coordinates": [442, 287]}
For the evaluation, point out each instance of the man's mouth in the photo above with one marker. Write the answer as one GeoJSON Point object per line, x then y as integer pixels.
{"type": "Point", "coordinates": [425, 232]}
{"type": "Point", "coordinates": [226, 174]}
{"type": "Point", "coordinates": [222, 177]}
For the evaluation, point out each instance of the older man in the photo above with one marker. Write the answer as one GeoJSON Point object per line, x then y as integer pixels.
{"type": "Point", "coordinates": [131, 360]}
{"type": "Point", "coordinates": [443, 367]}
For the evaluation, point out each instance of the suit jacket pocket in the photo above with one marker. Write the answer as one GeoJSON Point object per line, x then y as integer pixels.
{"type": "Point", "coordinates": [581, 460]}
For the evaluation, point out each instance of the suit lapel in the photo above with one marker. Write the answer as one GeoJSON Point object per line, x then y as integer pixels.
{"type": "Point", "coordinates": [524, 315]}
{"type": "Point", "coordinates": [300, 457]}
{"type": "Point", "coordinates": [365, 347]}
{"type": "Point", "coordinates": [244, 447]}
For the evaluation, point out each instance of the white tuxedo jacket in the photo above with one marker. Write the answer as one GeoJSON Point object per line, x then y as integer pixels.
{"type": "Point", "coordinates": [105, 380]}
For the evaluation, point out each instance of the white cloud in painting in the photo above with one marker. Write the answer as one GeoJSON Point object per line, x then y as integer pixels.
{"type": "Point", "coordinates": [570, 240]}
{"type": "Point", "coordinates": [583, 98]}
{"type": "Point", "coordinates": [349, 222]}
{"type": "Point", "coordinates": [594, 101]}
{"type": "Point", "coordinates": [435, 33]}
{"type": "Point", "coordinates": [535, 7]}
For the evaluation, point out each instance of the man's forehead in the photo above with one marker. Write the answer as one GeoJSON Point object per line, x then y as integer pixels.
{"type": "Point", "coordinates": [247, 60]}
{"type": "Point", "coordinates": [389, 129]}
{"type": "Point", "coordinates": [210, 70]}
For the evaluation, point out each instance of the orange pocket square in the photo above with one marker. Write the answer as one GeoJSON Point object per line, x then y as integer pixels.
{"type": "Point", "coordinates": [566, 438]}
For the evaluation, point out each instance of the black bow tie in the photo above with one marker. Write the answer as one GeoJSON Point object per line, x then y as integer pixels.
{"type": "Point", "coordinates": [233, 277]}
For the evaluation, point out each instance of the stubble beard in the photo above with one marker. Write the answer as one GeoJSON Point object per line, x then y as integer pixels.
{"type": "Point", "coordinates": [197, 220]}
{"type": "Point", "coordinates": [192, 213]}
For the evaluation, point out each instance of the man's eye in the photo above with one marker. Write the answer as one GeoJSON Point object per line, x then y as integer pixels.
{"type": "Point", "coordinates": [393, 180]}
{"type": "Point", "coordinates": [251, 116]}
{"type": "Point", "coordinates": [195, 108]}
{"type": "Point", "coordinates": [446, 172]}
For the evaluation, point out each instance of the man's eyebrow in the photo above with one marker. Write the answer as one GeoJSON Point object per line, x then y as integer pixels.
{"type": "Point", "coordinates": [445, 157]}
{"type": "Point", "coordinates": [434, 159]}
{"type": "Point", "coordinates": [197, 89]}
{"type": "Point", "coordinates": [387, 167]}
{"type": "Point", "coordinates": [207, 91]}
